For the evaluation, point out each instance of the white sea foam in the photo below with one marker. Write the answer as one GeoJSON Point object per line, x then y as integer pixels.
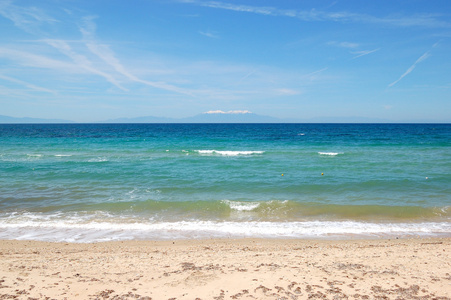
{"type": "Point", "coordinates": [228, 153]}
{"type": "Point", "coordinates": [330, 153]}
{"type": "Point", "coordinates": [63, 155]}
{"type": "Point", "coordinates": [98, 159]}
{"type": "Point", "coordinates": [241, 206]}
{"type": "Point", "coordinates": [89, 228]}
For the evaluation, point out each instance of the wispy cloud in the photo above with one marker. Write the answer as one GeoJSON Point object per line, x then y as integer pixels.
{"type": "Point", "coordinates": [241, 8]}
{"type": "Point", "coordinates": [420, 20]}
{"type": "Point", "coordinates": [348, 45]}
{"type": "Point", "coordinates": [262, 10]}
{"type": "Point", "coordinates": [354, 46]}
{"type": "Point", "coordinates": [82, 61]}
{"type": "Point", "coordinates": [363, 53]}
{"type": "Point", "coordinates": [209, 34]}
{"type": "Point", "coordinates": [287, 92]}
{"type": "Point", "coordinates": [411, 68]}
{"type": "Point", "coordinates": [26, 84]}
{"type": "Point", "coordinates": [423, 20]}
{"type": "Point", "coordinates": [248, 74]}
{"type": "Point", "coordinates": [61, 59]}
{"type": "Point", "coordinates": [37, 61]}
{"type": "Point", "coordinates": [105, 53]}
{"type": "Point", "coordinates": [314, 75]}
{"type": "Point", "coordinates": [28, 19]}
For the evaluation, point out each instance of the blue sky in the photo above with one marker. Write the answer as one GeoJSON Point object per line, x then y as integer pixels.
{"type": "Point", "coordinates": [96, 60]}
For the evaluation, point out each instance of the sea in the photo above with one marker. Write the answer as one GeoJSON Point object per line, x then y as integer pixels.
{"type": "Point", "coordinates": [114, 182]}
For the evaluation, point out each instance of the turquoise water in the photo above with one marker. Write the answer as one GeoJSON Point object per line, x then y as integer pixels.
{"type": "Point", "coordinates": [98, 182]}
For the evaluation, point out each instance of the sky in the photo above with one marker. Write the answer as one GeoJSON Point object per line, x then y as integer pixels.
{"type": "Point", "coordinates": [89, 61]}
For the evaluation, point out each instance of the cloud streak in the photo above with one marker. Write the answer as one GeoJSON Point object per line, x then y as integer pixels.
{"type": "Point", "coordinates": [26, 18]}
{"type": "Point", "coordinates": [347, 45]}
{"type": "Point", "coordinates": [424, 20]}
{"type": "Point", "coordinates": [26, 84]}
{"type": "Point", "coordinates": [107, 55]}
{"type": "Point", "coordinates": [37, 61]}
{"type": "Point", "coordinates": [364, 52]}
{"type": "Point", "coordinates": [82, 61]}
{"type": "Point", "coordinates": [209, 34]}
{"type": "Point", "coordinates": [411, 68]}
{"type": "Point", "coordinates": [313, 75]}
{"type": "Point", "coordinates": [30, 19]}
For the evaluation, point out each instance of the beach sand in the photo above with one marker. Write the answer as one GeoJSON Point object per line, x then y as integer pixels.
{"type": "Point", "coordinates": [227, 269]}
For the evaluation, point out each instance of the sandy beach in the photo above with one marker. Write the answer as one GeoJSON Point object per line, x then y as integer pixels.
{"type": "Point", "coordinates": [227, 269]}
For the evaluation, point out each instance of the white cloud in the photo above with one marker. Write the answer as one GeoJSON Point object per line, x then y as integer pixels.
{"type": "Point", "coordinates": [89, 27]}
{"type": "Point", "coordinates": [205, 80]}
{"type": "Point", "coordinates": [344, 44]}
{"type": "Point", "coordinates": [37, 61]}
{"type": "Point", "coordinates": [363, 53]}
{"type": "Point", "coordinates": [241, 8]}
{"type": "Point", "coordinates": [424, 20]}
{"type": "Point", "coordinates": [410, 69]}
{"type": "Point", "coordinates": [349, 45]}
{"type": "Point", "coordinates": [29, 20]}
{"type": "Point", "coordinates": [26, 84]}
{"type": "Point", "coordinates": [314, 75]}
{"type": "Point", "coordinates": [82, 61]}
{"type": "Point", "coordinates": [287, 92]}
{"type": "Point", "coordinates": [209, 34]}
{"type": "Point", "coordinates": [248, 74]}
{"type": "Point", "coordinates": [105, 53]}
{"type": "Point", "coordinates": [26, 18]}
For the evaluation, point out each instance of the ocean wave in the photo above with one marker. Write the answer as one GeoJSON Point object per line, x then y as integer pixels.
{"type": "Point", "coordinates": [241, 206]}
{"type": "Point", "coordinates": [227, 153]}
{"type": "Point", "coordinates": [330, 153]}
{"type": "Point", "coordinates": [101, 229]}
{"type": "Point", "coordinates": [148, 203]}
{"type": "Point", "coordinates": [98, 159]}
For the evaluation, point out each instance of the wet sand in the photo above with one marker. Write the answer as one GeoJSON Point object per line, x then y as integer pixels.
{"type": "Point", "coordinates": [227, 269]}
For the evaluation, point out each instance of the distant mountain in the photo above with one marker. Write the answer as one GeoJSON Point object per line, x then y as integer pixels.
{"type": "Point", "coordinates": [365, 120]}
{"type": "Point", "coordinates": [347, 120]}
{"type": "Point", "coordinates": [230, 117]}
{"type": "Point", "coordinates": [207, 117]}
{"type": "Point", "coordinates": [12, 120]}
{"type": "Point", "coordinates": [148, 119]}
{"type": "Point", "coordinates": [219, 117]}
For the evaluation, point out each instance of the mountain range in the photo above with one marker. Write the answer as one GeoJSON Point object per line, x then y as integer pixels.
{"type": "Point", "coordinates": [10, 120]}
{"type": "Point", "coordinates": [216, 117]}
{"type": "Point", "coordinates": [207, 117]}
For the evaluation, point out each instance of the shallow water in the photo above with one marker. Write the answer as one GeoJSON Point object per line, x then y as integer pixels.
{"type": "Point", "coordinates": [95, 182]}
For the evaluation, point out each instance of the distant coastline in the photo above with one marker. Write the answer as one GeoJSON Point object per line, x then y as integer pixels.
{"type": "Point", "coordinates": [216, 118]}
